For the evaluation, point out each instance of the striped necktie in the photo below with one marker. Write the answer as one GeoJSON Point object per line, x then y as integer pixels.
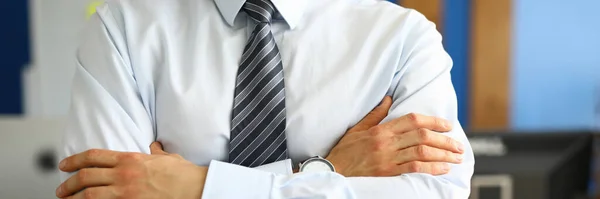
{"type": "Point", "coordinates": [258, 117]}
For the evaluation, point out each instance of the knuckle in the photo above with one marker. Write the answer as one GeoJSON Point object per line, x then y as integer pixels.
{"type": "Point", "coordinates": [421, 152]}
{"type": "Point", "coordinates": [449, 141]}
{"type": "Point", "coordinates": [412, 116]}
{"type": "Point", "coordinates": [423, 135]}
{"type": "Point", "coordinates": [92, 153]}
{"type": "Point", "coordinates": [379, 144]}
{"type": "Point", "coordinates": [89, 194]}
{"type": "Point", "coordinates": [129, 174]}
{"type": "Point", "coordinates": [82, 176]}
{"type": "Point", "coordinates": [377, 130]}
{"type": "Point", "coordinates": [415, 119]}
{"type": "Point", "coordinates": [449, 155]}
{"type": "Point", "coordinates": [414, 167]}
{"type": "Point", "coordinates": [132, 157]}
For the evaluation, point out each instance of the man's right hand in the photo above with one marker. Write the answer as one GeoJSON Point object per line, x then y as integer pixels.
{"type": "Point", "coordinates": [410, 144]}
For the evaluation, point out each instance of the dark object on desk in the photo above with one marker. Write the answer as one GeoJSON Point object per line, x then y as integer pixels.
{"type": "Point", "coordinates": [531, 165]}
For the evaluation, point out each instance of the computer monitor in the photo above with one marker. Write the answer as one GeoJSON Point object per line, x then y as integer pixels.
{"type": "Point", "coordinates": [532, 165]}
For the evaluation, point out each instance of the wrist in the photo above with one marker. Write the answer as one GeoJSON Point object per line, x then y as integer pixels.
{"type": "Point", "coordinates": [198, 181]}
{"type": "Point", "coordinates": [339, 168]}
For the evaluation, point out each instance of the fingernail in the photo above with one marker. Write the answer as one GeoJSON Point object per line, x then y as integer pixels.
{"type": "Point", "coordinates": [460, 147]}
{"type": "Point", "coordinates": [445, 168]}
{"type": "Point", "coordinates": [62, 164]}
{"type": "Point", "coordinates": [447, 125]}
{"type": "Point", "coordinates": [59, 191]}
{"type": "Point", "coordinates": [459, 158]}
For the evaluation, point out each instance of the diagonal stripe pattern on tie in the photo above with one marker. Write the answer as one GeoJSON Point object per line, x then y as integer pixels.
{"type": "Point", "coordinates": [258, 117]}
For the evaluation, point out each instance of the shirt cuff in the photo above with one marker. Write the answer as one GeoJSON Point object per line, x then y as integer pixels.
{"type": "Point", "coordinates": [229, 181]}
{"type": "Point", "coordinates": [283, 167]}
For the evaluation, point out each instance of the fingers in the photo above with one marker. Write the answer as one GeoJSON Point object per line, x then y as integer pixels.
{"type": "Point", "coordinates": [156, 148]}
{"type": "Point", "coordinates": [97, 158]}
{"type": "Point", "coordinates": [424, 153]}
{"type": "Point", "coordinates": [90, 177]}
{"type": "Point", "coordinates": [429, 138]}
{"type": "Point", "coordinates": [416, 121]}
{"type": "Point", "coordinates": [433, 168]}
{"type": "Point", "coordinates": [90, 158]}
{"type": "Point", "coordinates": [375, 116]}
{"type": "Point", "coordinates": [104, 192]}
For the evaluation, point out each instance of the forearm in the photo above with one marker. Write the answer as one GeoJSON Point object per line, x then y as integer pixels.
{"type": "Point", "coordinates": [254, 183]}
{"type": "Point", "coordinates": [414, 186]}
{"type": "Point", "coordinates": [264, 185]}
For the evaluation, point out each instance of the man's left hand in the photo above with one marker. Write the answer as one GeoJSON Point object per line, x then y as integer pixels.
{"type": "Point", "coordinates": [109, 174]}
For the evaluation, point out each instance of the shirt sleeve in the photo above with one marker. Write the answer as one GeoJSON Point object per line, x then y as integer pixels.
{"type": "Point", "coordinates": [422, 84]}
{"type": "Point", "coordinates": [107, 111]}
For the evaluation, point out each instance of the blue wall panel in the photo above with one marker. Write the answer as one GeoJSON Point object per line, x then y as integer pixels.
{"type": "Point", "coordinates": [14, 54]}
{"type": "Point", "coordinates": [456, 32]}
{"type": "Point", "coordinates": [556, 64]}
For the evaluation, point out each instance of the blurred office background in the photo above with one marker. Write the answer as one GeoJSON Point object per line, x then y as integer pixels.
{"type": "Point", "coordinates": [526, 72]}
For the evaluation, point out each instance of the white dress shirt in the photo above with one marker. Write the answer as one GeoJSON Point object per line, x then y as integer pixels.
{"type": "Point", "coordinates": [165, 70]}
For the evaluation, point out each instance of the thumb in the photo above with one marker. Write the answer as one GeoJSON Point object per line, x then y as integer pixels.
{"type": "Point", "coordinates": [374, 117]}
{"type": "Point", "coordinates": [156, 148]}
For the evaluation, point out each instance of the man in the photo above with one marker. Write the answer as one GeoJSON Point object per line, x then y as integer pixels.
{"type": "Point", "coordinates": [238, 91]}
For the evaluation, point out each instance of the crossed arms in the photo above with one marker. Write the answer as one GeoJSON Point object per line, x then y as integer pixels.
{"type": "Point", "coordinates": [405, 155]}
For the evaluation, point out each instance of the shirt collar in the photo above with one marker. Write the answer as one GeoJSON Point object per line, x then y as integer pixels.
{"type": "Point", "coordinates": [290, 10]}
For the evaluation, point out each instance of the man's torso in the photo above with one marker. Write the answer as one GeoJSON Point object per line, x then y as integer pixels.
{"type": "Point", "coordinates": [339, 62]}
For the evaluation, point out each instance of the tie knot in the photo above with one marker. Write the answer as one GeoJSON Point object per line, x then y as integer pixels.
{"type": "Point", "coordinates": [259, 10]}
